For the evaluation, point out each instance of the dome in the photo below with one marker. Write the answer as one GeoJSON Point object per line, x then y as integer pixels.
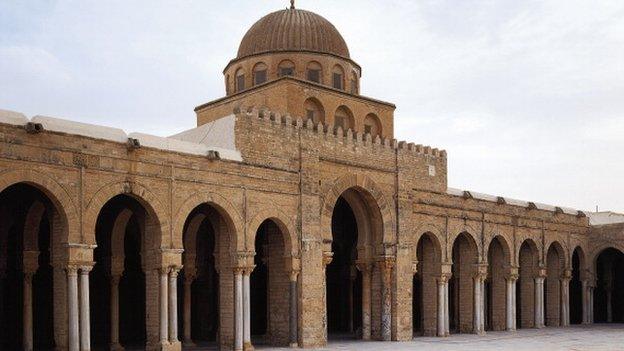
{"type": "Point", "coordinates": [293, 30]}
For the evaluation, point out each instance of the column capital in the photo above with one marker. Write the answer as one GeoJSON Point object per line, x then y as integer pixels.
{"type": "Point", "coordinates": [513, 277]}
{"type": "Point", "coordinates": [444, 278]}
{"type": "Point", "coordinates": [386, 262]}
{"type": "Point", "coordinates": [294, 273]}
{"type": "Point", "coordinates": [480, 276]}
{"type": "Point", "coordinates": [85, 269]}
{"type": "Point", "coordinates": [164, 270]}
{"type": "Point", "coordinates": [248, 269]}
{"type": "Point", "coordinates": [541, 273]}
{"type": "Point", "coordinates": [115, 278]}
{"type": "Point", "coordinates": [414, 266]}
{"type": "Point", "coordinates": [328, 256]}
{"type": "Point", "coordinates": [238, 270]}
{"type": "Point", "coordinates": [173, 273]}
{"type": "Point", "coordinates": [72, 270]}
{"type": "Point", "coordinates": [566, 274]}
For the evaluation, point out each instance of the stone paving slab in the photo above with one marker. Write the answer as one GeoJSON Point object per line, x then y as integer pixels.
{"type": "Point", "coordinates": [577, 338]}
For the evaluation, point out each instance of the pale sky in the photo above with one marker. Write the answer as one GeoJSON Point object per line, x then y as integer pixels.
{"type": "Point", "coordinates": [526, 96]}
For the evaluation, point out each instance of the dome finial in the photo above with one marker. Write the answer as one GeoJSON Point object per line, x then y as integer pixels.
{"type": "Point", "coordinates": [292, 4]}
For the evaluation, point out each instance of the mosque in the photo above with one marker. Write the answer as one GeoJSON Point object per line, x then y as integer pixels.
{"type": "Point", "coordinates": [288, 217]}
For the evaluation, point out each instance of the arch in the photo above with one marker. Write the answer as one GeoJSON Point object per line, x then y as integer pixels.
{"type": "Point", "coordinates": [577, 263]}
{"type": "Point", "coordinates": [150, 202]}
{"type": "Point", "coordinates": [532, 245]}
{"type": "Point", "coordinates": [561, 251]}
{"type": "Point", "coordinates": [239, 80]}
{"type": "Point", "coordinates": [286, 68]}
{"type": "Point", "coordinates": [31, 226]}
{"type": "Point", "coordinates": [498, 257]}
{"type": "Point", "coordinates": [314, 110]}
{"type": "Point", "coordinates": [314, 72]}
{"type": "Point", "coordinates": [260, 73]}
{"type": "Point", "coordinates": [373, 194]}
{"type": "Point", "coordinates": [60, 197]}
{"type": "Point", "coordinates": [229, 213]}
{"type": "Point", "coordinates": [608, 292]}
{"type": "Point", "coordinates": [471, 234]}
{"type": "Point", "coordinates": [286, 227]}
{"type": "Point", "coordinates": [343, 118]}
{"type": "Point", "coordinates": [505, 246]}
{"type": "Point", "coordinates": [338, 77]}
{"type": "Point", "coordinates": [372, 125]}
{"type": "Point", "coordinates": [528, 266]}
{"type": "Point", "coordinates": [428, 255]}
{"type": "Point", "coordinates": [464, 258]}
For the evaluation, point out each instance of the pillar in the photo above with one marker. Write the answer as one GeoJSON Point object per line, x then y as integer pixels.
{"type": "Point", "coordinates": [441, 306]}
{"type": "Point", "coordinates": [173, 305]}
{"type": "Point", "coordinates": [352, 276]}
{"type": "Point", "coordinates": [85, 319]}
{"type": "Point", "coordinates": [238, 309]}
{"type": "Point", "coordinates": [247, 346]}
{"type": "Point", "coordinates": [591, 304]}
{"type": "Point", "coordinates": [539, 301]}
{"type": "Point", "coordinates": [585, 303]}
{"type": "Point", "coordinates": [447, 328]}
{"type": "Point", "coordinates": [72, 303]}
{"type": "Point", "coordinates": [188, 283]}
{"type": "Point", "coordinates": [565, 301]}
{"type": "Point", "coordinates": [114, 296]}
{"type": "Point", "coordinates": [511, 302]}
{"type": "Point", "coordinates": [293, 335]}
{"type": "Point", "coordinates": [478, 320]}
{"type": "Point", "coordinates": [164, 310]}
{"type": "Point", "coordinates": [27, 312]}
{"type": "Point", "coordinates": [366, 268]}
{"type": "Point", "coordinates": [386, 299]}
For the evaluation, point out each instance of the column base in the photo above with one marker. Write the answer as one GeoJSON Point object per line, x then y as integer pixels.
{"type": "Point", "coordinates": [293, 345]}
{"type": "Point", "coordinates": [247, 346]}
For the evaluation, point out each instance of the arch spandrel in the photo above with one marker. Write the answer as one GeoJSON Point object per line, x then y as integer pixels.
{"type": "Point", "coordinates": [150, 202]}
{"type": "Point", "coordinates": [57, 194]}
{"type": "Point", "coordinates": [225, 208]}
{"type": "Point", "coordinates": [284, 223]}
{"type": "Point", "coordinates": [376, 197]}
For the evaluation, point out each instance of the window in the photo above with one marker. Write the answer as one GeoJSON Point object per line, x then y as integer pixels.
{"type": "Point", "coordinates": [340, 122]}
{"type": "Point", "coordinates": [286, 68]}
{"type": "Point", "coordinates": [368, 129]}
{"type": "Point", "coordinates": [310, 115]}
{"type": "Point", "coordinates": [343, 118]}
{"type": "Point", "coordinates": [372, 125]}
{"type": "Point", "coordinates": [314, 110]}
{"type": "Point", "coordinates": [240, 83]}
{"type": "Point", "coordinates": [259, 73]}
{"type": "Point", "coordinates": [314, 72]}
{"type": "Point", "coordinates": [338, 81]}
{"type": "Point", "coordinates": [338, 77]}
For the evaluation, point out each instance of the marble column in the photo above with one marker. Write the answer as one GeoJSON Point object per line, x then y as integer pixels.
{"type": "Point", "coordinates": [352, 276]}
{"type": "Point", "coordinates": [238, 309]}
{"type": "Point", "coordinates": [173, 305]}
{"type": "Point", "coordinates": [386, 299]}
{"type": "Point", "coordinates": [511, 303]}
{"type": "Point", "coordinates": [28, 312]}
{"type": "Point", "coordinates": [565, 301]}
{"type": "Point", "coordinates": [447, 320]}
{"type": "Point", "coordinates": [539, 301]}
{"type": "Point", "coordinates": [293, 320]}
{"type": "Point", "coordinates": [188, 283]}
{"type": "Point", "coordinates": [441, 306]}
{"type": "Point", "coordinates": [164, 306]}
{"type": "Point", "coordinates": [366, 269]}
{"type": "Point", "coordinates": [591, 304]}
{"type": "Point", "coordinates": [114, 296]}
{"type": "Point", "coordinates": [72, 303]}
{"type": "Point", "coordinates": [584, 301]}
{"type": "Point", "coordinates": [85, 319]}
{"type": "Point", "coordinates": [247, 346]}
{"type": "Point", "coordinates": [478, 314]}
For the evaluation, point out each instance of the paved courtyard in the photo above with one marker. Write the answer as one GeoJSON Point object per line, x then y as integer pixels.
{"type": "Point", "coordinates": [581, 338]}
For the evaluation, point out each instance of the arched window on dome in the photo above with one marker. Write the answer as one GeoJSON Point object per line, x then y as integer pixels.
{"type": "Point", "coordinates": [260, 73]}
{"type": "Point", "coordinates": [354, 84]}
{"type": "Point", "coordinates": [286, 68]}
{"type": "Point", "coordinates": [372, 125]}
{"type": "Point", "coordinates": [314, 72]}
{"type": "Point", "coordinates": [343, 118]}
{"type": "Point", "coordinates": [227, 84]}
{"type": "Point", "coordinates": [314, 110]}
{"type": "Point", "coordinates": [338, 77]}
{"type": "Point", "coordinates": [240, 80]}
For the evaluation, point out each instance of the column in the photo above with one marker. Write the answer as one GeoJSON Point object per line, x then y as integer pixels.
{"type": "Point", "coordinates": [386, 299]}
{"type": "Point", "coordinates": [247, 346]}
{"type": "Point", "coordinates": [591, 304]}
{"type": "Point", "coordinates": [28, 312]}
{"type": "Point", "coordinates": [188, 283]}
{"type": "Point", "coordinates": [173, 305]}
{"type": "Point", "coordinates": [447, 328]}
{"type": "Point", "coordinates": [114, 295]}
{"type": "Point", "coordinates": [539, 301]}
{"type": "Point", "coordinates": [366, 268]}
{"type": "Point", "coordinates": [608, 293]}
{"type": "Point", "coordinates": [164, 310]}
{"type": "Point", "coordinates": [478, 304]}
{"type": "Point", "coordinates": [565, 301]}
{"type": "Point", "coordinates": [238, 309]}
{"type": "Point", "coordinates": [441, 306]}
{"type": "Point", "coordinates": [72, 303]}
{"type": "Point", "coordinates": [511, 302]}
{"type": "Point", "coordinates": [85, 319]}
{"type": "Point", "coordinates": [293, 309]}
{"type": "Point", "coordinates": [352, 275]}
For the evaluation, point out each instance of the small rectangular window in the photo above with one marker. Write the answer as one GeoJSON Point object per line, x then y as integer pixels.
{"type": "Point", "coordinates": [368, 129]}
{"type": "Point", "coordinates": [314, 75]}
{"type": "Point", "coordinates": [240, 83]}
{"type": "Point", "coordinates": [338, 81]}
{"type": "Point", "coordinates": [260, 77]}
{"type": "Point", "coordinates": [287, 71]}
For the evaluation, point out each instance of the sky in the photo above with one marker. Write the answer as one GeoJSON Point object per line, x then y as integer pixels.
{"type": "Point", "coordinates": [527, 97]}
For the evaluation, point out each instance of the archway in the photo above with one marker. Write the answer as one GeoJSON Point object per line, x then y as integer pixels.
{"type": "Point", "coordinates": [125, 231]}
{"type": "Point", "coordinates": [356, 227]}
{"type": "Point", "coordinates": [424, 298]}
{"type": "Point", "coordinates": [29, 228]}
{"type": "Point", "coordinates": [496, 286]}
{"type": "Point", "coordinates": [270, 293]}
{"type": "Point", "coordinates": [461, 288]}
{"type": "Point", "coordinates": [609, 292]}
{"type": "Point", "coordinates": [576, 287]}
{"type": "Point", "coordinates": [555, 266]}
{"type": "Point", "coordinates": [525, 287]}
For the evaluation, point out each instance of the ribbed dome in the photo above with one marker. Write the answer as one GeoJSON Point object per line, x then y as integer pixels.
{"type": "Point", "coordinates": [293, 30]}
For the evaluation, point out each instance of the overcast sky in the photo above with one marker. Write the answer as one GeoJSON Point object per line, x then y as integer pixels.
{"type": "Point", "coordinates": [526, 96]}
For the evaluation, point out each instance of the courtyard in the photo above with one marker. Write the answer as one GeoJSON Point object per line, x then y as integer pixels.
{"type": "Point", "coordinates": [596, 337]}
